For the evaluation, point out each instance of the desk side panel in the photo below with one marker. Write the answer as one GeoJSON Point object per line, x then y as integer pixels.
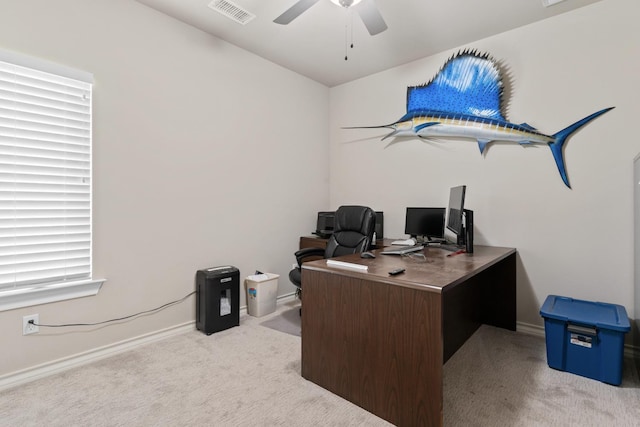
{"type": "Point", "coordinates": [375, 344]}
{"type": "Point", "coordinates": [488, 297]}
{"type": "Point", "coordinates": [312, 242]}
{"type": "Point", "coordinates": [499, 295]}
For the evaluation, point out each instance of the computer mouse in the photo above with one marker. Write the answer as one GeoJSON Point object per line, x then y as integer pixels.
{"type": "Point", "coordinates": [367, 255]}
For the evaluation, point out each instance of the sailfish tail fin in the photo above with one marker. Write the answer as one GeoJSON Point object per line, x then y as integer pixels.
{"type": "Point", "coordinates": [561, 137]}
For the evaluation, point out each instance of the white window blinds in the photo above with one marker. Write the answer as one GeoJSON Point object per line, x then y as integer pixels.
{"type": "Point", "coordinates": [45, 174]}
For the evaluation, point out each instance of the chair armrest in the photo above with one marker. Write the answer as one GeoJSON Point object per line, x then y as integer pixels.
{"type": "Point", "coordinates": [308, 252]}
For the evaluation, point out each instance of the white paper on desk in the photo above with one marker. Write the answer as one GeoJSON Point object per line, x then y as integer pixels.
{"type": "Point", "coordinates": [342, 264]}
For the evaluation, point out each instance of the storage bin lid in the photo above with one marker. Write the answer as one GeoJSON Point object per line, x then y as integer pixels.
{"type": "Point", "coordinates": [598, 314]}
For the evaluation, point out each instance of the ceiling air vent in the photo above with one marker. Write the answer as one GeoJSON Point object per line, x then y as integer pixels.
{"type": "Point", "coordinates": [232, 11]}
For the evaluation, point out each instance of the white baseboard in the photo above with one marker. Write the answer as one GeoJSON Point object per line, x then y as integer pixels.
{"type": "Point", "coordinates": [529, 329]}
{"type": "Point", "coordinates": [56, 366]}
{"type": "Point", "coordinates": [526, 328]}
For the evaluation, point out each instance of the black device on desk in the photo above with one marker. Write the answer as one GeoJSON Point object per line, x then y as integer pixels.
{"type": "Point", "coordinates": [324, 224]}
{"type": "Point", "coordinates": [379, 225]}
{"type": "Point", "coordinates": [460, 220]}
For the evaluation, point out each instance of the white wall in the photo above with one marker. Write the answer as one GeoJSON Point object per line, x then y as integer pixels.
{"type": "Point", "coordinates": [576, 242]}
{"type": "Point", "coordinates": [199, 150]}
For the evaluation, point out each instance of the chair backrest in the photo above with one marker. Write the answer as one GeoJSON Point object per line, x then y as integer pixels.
{"type": "Point", "coordinates": [352, 232]}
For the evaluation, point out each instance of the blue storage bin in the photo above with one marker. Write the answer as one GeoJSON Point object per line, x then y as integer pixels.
{"type": "Point", "coordinates": [585, 338]}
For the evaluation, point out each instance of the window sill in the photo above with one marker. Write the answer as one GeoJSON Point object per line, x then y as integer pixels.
{"type": "Point", "coordinates": [12, 299]}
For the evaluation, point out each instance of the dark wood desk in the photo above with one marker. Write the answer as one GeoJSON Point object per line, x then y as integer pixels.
{"type": "Point", "coordinates": [380, 341]}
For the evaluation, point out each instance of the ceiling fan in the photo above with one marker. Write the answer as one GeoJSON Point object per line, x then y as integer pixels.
{"type": "Point", "coordinates": [366, 9]}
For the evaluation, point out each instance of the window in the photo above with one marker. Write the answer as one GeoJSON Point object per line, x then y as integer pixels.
{"type": "Point", "coordinates": [45, 182]}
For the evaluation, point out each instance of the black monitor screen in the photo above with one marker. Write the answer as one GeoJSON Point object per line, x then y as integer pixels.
{"type": "Point", "coordinates": [455, 209]}
{"type": "Point", "coordinates": [427, 222]}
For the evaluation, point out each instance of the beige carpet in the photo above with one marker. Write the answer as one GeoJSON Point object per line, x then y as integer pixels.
{"type": "Point", "coordinates": [286, 321]}
{"type": "Point", "coordinates": [501, 378]}
{"type": "Point", "coordinates": [250, 376]}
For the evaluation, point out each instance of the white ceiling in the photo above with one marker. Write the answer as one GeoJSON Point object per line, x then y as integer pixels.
{"type": "Point", "coordinates": [314, 44]}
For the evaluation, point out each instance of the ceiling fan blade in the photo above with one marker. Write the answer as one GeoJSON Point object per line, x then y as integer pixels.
{"type": "Point", "coordinates": [294, 11]}
{"type": "Point", "coordinates": [371, 17]}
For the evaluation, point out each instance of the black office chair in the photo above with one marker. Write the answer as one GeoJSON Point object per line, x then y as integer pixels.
{"type": "Point", "coordinates": [352, 233]}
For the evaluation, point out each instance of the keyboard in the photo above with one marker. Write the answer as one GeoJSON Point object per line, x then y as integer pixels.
{"type": "Point", "coordinates": [401, 250]}
{"type": "Point", "coordinates": [408, 242]}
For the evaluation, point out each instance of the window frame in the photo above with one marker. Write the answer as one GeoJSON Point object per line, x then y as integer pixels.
{"type": "Point", "coordinates": [42, 293]}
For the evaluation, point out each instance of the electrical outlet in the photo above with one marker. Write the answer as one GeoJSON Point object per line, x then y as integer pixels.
{"type": "Point", "coordinates": [30, 328]}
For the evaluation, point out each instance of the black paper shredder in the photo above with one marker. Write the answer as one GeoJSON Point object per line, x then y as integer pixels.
{"type": "Point", "coordinates": [217, 299]}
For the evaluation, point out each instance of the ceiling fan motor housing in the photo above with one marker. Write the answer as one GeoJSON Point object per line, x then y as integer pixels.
{"type": "Point", "coordinates": [346, 3]}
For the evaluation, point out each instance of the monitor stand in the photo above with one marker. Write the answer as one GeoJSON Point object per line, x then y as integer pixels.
{"type": "Point", "coordinates": [465, 238]}
{"type": "Point", "coordinates": [425, 240]}
{"type": "Point", "coordinates": [449, 246]}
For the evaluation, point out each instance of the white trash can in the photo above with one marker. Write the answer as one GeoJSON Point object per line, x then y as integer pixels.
{"type": "Point", "coordinates": [262, 292]}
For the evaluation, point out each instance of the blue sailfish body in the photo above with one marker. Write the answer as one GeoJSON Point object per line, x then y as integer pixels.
{"type": "Point", "coordinates": [465, 100]}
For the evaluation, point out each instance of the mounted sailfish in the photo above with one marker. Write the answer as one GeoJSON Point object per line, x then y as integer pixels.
{"type": "Point", "coordinates": [465, 100]}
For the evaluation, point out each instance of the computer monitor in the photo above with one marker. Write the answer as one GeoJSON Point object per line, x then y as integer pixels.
{"type": "Point", "coordinates": [456, 209]}
{"type": "Point", "coordinates": [459, 219]}
{"type": "Point", "coordinates": [425, 223]}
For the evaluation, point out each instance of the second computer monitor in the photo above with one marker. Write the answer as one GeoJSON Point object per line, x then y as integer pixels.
{"type": "Point", "coordinates": [425, 223]}
{"type": "Point", "coordinates": [456, 210]}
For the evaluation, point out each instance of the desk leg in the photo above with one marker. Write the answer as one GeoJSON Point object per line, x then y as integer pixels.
{"type": "Point", "coordinates": [374, 344]}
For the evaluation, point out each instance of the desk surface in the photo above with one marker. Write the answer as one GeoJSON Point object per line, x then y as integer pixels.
{"type": "Point", "coordinates": [434, 272]}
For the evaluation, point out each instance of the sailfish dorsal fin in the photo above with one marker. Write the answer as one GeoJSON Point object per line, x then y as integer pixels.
{"type": "Point", "coordinates": [468, 83]}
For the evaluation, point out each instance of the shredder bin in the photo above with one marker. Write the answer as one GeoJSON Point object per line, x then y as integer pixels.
{"type": "Point", "coordinates": [585, 338]}
{"type": "Point", "coordinates": [262, 293]}
{"type": "Point", "coordinates": [217, 299]}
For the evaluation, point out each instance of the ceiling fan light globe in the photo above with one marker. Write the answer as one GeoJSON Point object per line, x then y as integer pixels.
{"type": "Point", "coordinates": [346, 3]}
